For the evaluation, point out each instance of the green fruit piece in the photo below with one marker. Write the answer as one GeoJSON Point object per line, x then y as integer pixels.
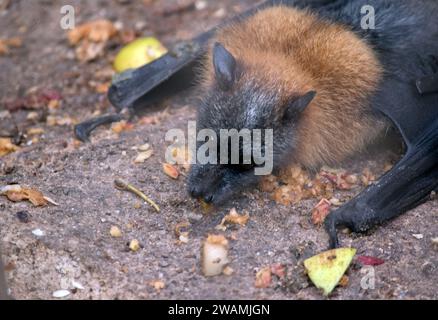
{"type": "Point", "coordinates": [326, 269]}
{"type": "Point", "coordinates": [139, 53]}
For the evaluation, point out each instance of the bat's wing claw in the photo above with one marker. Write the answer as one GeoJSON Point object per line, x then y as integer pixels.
{"type": "Point", "coordinates": [330, 225]}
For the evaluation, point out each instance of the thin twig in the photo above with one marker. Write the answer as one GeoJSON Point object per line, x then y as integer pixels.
{"type": "Point", "coordinates": [122, 185]}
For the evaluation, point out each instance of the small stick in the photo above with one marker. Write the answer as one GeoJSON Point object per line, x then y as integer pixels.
{"type": "Point", "coordinates": [122, 185]}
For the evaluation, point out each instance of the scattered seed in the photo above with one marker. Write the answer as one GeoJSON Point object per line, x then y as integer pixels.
{"type": "Point", "coordinates": [115, 232]}
{"type": "Point", "coordinates": [134, 245]}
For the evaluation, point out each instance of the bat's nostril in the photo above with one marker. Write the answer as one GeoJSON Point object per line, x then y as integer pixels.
{"type": "Point", "coordinates": [208, 198]}
{"type": "Point", "coordinates": [195, 193]}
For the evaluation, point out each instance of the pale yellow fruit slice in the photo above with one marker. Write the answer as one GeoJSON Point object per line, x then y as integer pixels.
{"type": "Point", "coordinates": [139, 53]}
{"type": "Point", "coordinates": [326, 269]}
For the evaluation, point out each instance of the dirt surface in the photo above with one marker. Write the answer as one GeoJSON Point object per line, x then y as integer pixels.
{"type": "Point", "coordinates": [76, 244]}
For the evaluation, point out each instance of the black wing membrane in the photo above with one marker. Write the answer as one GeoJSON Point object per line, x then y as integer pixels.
{"type": "Point", "coordinates": [412, 180]}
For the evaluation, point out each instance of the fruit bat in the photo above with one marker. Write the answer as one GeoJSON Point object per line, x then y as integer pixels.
{"type": "Point", "coordinates": [405, 41]}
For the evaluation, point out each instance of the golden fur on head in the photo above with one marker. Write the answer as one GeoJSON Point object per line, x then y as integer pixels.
{"type": "Point", "coordinates": [292, 52]}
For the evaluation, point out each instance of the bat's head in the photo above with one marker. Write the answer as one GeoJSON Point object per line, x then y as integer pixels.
{"type": "Point", "coordinates": [250, 122]}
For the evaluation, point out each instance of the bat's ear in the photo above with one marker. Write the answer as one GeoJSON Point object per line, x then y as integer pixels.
{"type": "Point", "coordinates": [224, 66]}
{"type": "Point", "coordinates": [298, 105]}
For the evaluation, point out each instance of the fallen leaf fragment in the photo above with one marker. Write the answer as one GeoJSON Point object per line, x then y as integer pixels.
{"type": "Point", "coordinates": [115, 232]}
{"type": "Point", "coordinates": [263, 278]}
{"type": "Point", "coordinates": [6, 44]}
{"type": "Point", "coordinates": [326, 269]}
{"type": "Point", "coordinates": [143, 156]}
{"type": "Point", "coordinates": [279, 270]}
{"type": "Point", "coordinates": [233, 218]}
{"type": "Point", "coordinates": [321, 211]}
{"type": "Point", "coordinates": [344, 281]}
{"type": "Point", "coordinates": [370, 261]}
{"type": "Point", "coordinates": [171, 171]}
{"type": "Point", "coordinates": [6, 146]}
{"type": "Point", "coordinates": [95, 31]}
{"type": "Point", "coordinates": [16, 193]}
{"type": "Point", "coordinates": [119, 127]}
{"type": "Point", "coordinates": [214, 255]}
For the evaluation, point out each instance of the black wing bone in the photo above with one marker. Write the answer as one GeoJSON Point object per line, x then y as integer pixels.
{"type": "Point", "coordinates": [412, 180]}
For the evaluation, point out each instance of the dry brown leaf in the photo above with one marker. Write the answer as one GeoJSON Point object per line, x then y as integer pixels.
{"type": "Point", "coordinates": [233, 218]}
{"type": "Point", "coordinates": [119, 127]}
{"type": "Point", "coordinates": [16, 193]}
{"type": "Point", "coordinates": [278, 270]}
{"type": "Point", "coordinates": [89, 51]}
{"type": "Point", "coordinates": [95, 31]}
{"type": "Point", "coordinates": [6, 44]}
{"type": "Point", "coordinates": [170, 171]}
{"type": "Point", "coordinates": [263, 278]}
{"type": "Point", "coordinates": [321, 211]}
{"type": "Point", "coordinates": [6, 146]}
{"type": "Point", "coordinates": [143, 156]}
{"type": "Point", "coordinates": [344, 281]}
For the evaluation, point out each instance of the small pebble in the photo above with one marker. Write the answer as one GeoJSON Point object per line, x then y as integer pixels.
{"type": "Point", "coordinates": [61, 294]}
{"type": "Point", "coordinates": [418, 236]}
{"type": "Point", "coordinates": [38, 233]}
{"type": "Point", "coordinates": [23, 216]}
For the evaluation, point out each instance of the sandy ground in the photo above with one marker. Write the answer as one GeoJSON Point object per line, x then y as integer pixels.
{"type": "Point", "coordinates": [76, 244]}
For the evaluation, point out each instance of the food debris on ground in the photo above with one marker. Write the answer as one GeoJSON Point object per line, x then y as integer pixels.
{"type": "Point", "coordinates": [183, 236]}
{"type": "Point", "coordinates": [121, 126]}
{"type": "Point", "coordinates": [6, 44]}
{"type": "Point", "coordinates": [115, 232]}
{"type": "Point", "coordinates": [214, 255]}
{"type": "Point", "coordinates": [17, 193]}
{"type": "Point", "coordinates": [228, 271]}
{"type": "Point", "coordinates": [122, 185]}
{"type": "Point", "coordinates": [143, 156]}
{"type": "Point", "coordinates": [139, 53]}
{"type": "Point", "coordinates": [91, 38]}
{"type": "Point", "coordinates": [134, 245]}
{"type": "Point", "coordinates": [38, 233]}
{"type": "Point", "coordinates": [233, 218]}
{"type": "Point", "coordinates": [158, 285]}
{"type": "Point", "coordinates": [263, 278]}
{"type": "Point", "coordinates": [6, 146]}
{"type": "Point", "coordinates": [279, 270]}
{"type": "Point", "coordinates": [295, 184]}
{"type": "Point", "coordinates": [370, 261]}
{"type": "Point", "coordinates": [171, 171]}
{"type": "Point", "coordinates": [326, 269]}
{"type": "Point", "coordinates": [321, 211]}
{"type": "Point", "coordinates": [61, 294]}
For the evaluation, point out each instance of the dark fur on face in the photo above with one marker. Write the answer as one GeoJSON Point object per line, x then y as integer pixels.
{"type": "Point", "coordinates": [247, 105]}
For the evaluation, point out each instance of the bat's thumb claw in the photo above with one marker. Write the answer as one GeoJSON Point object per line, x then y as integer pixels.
{"type": "Point", "coordinates": [330, 225]}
